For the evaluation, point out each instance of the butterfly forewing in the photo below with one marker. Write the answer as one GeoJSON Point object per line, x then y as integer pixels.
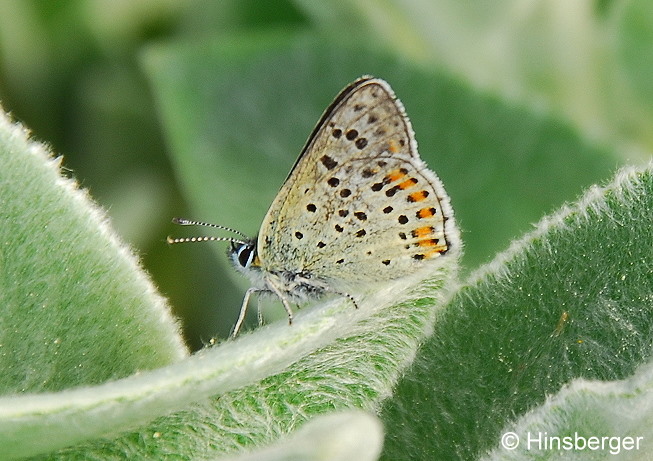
{"type": "Point", "coordinates": [359, 205]}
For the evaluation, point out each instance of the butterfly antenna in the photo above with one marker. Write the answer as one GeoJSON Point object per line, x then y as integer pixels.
{"type": "Point", "coordinates": [171, 240]}
{"type": "Point", "coordinates": [188, 222]}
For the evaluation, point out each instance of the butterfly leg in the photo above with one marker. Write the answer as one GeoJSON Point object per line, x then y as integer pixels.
{"type": "Point", "coordinates": [259, 313]}
{"type": "Point", "coordinates": [286, 306]}
{"type": "Point", "coordinates": [243, 311]}
{"type": "Point", "coordinates": [284, 300]}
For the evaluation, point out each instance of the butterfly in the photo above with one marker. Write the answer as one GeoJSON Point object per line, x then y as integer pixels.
{"type": "Point", "coordinates": [359, 207]}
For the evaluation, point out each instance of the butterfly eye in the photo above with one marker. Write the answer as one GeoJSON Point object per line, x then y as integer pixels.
{"type": "Point", "coordinates": [245, 254]}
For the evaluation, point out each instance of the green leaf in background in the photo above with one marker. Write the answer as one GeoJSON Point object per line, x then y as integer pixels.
{"type": "Point", "coordinates": [632, 29]}
{"type": "Point", "coordinates": [635, 49]}
{"type": "Point", "coordinates": [238, 110]}
{"type": "Point", "coordinates": [76, 308]}
{"type": "Point", "coordinates": [570, 300]}
{"type": "Point", "coordinates": [586, 61]}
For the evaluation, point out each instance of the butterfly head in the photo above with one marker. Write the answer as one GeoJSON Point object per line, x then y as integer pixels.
{"type": "Point", "coordinates": [244, 256]}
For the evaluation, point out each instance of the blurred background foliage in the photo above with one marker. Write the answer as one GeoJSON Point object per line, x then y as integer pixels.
{"type": "Point", "coordinates": [72, 71]}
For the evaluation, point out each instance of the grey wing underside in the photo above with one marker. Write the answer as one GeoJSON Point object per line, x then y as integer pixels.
{"type": "Point", "coordinates": [359, 204]}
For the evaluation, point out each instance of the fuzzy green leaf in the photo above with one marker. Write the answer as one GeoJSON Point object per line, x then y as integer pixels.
{"type": "Point", "coordinates": [616, 414]}
{"type": "Point", "coordinates": [262, 385]}
{"type": "Point", "coordinates": [570, 300]}
{"type": "Point", "coordinates": [341, 436]}
{"type": "Point", "coordinates": [76, 309]}
{"type": "Point", "coordinates": [232, 374]}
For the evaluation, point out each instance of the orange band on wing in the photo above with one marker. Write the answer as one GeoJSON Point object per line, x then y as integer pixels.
{"type": "Point", "coordinates": [418, 196]}
{"type": "Point", "coordinates": [396, 175]}
{"type": "Point", "coordinates": [422, 231]}
{"type": "Point", "coordinates": [407, 183]}
{"type": "Point", "coordinates": [435, 251]}
{"type": "Point", "coordinates": [426, 212]}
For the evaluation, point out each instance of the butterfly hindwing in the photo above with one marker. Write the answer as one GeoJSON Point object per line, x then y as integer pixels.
{"type": "Point", "coordinates": [359, 204]}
